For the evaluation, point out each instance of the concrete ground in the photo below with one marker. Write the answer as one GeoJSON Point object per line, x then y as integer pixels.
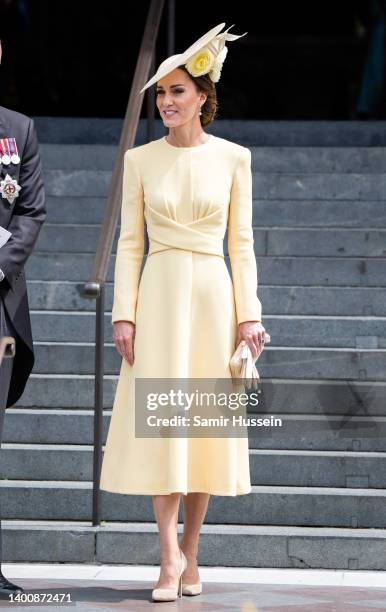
{"type": "Point", "coordinates": [97, 587]}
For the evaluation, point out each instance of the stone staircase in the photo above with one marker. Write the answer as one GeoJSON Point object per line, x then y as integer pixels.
{"type": "Point", "coordinates": [319, 481]}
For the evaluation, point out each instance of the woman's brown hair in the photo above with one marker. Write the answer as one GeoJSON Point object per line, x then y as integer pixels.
{"type": "Point", "coordinates": [205, 84]}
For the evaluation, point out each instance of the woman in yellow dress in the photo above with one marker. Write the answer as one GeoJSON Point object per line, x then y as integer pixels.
{"type": "Point", "coordinates": [184, 316]}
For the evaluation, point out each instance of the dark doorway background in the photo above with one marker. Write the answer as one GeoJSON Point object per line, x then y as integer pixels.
{"type": "Point", "coordinates": [301, 60]}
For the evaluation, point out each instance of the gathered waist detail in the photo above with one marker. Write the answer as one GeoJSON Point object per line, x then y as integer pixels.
{"type": "Point", "coordinates": [202, 236]}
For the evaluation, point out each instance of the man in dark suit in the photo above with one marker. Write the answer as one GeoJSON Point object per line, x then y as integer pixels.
{"type": "Point", "coordinates": [22, 212]}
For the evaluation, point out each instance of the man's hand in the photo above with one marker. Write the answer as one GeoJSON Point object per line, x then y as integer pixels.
{"type": "Point", "coordinates": [253, 332]}
{"type": "Point", "coordinates": [124, 336]}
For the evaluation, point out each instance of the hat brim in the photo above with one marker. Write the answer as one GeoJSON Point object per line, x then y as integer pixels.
{"type": "Point", "coordinates": [174, 61]}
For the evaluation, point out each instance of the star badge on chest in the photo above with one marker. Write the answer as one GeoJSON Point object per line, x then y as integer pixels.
{"type": "Point", "coordinates": [9, 188]}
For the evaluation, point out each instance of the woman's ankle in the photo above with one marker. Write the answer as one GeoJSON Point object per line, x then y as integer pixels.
{"type": "Point", "coordinates": [190, 552]}
{"type": "Point", "coordinates": [170, 557]}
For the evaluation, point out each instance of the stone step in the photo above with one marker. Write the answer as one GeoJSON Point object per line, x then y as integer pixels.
{"type": "Point", "coordinates": [265, 505]}
{"type": "Point", "coordinates": [289, 330]}
{"type": "Point", "coordinates": [65, 391]}
{"type": "Point", "coordinates": [299, 432]}
{"type": "Point", "coordinates": [70, 238]}
{"type": "Point", "coordinates": [236, 545]}
{"type": "Point", "coordinates": [267, 467]}
{"type": "Point", "coordinates": [67, 238]}
{"type": "Point", "coordinates": [317, 469]}
{"type": "Point", "coordinates": [319, 242]}
{"type": "Point", "coordinates": [295, 300]}
{"type": "Point", "coordinates": [328, 159]}
{"type": "Point", "coordinates": [347, 398]}
{"type": "Point", "coordinates": [267, 212]}
{"type": "Point", "coordinates": [80, 210]}
{"type": "Point", "coordinates": [92, 130]}
{"type": "Point", "coordinates": [276, 362]}
{"type": "Point", "coordinates": [264, 158]}
{"type": "Point", "coordinates": [334, 213]}
{"type": "Point", "coordinates": [270, 185]}
{"type": "Point", "coordinates": [103, 156]}
{"type": "Point", "coordinates": [90, 183]}
{"type": "Point", "coordinates": [316, 186]}
{"type": "Point", "coordinates": [305, 271]}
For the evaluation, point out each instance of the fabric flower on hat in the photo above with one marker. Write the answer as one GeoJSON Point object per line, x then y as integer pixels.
{"type": "Point", "coordinates": [200, 63]}
{"type": "Point", "coordinates": [210, 58]}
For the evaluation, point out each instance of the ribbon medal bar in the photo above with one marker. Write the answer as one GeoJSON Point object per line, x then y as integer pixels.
{"type": "Point", "coordinates": [9, 152]}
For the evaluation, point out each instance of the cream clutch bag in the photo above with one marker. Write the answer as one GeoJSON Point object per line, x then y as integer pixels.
{"type": "Point", "coordinates": [242, 364]}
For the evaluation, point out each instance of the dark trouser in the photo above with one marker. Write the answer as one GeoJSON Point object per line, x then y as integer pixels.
{"type": "Point", "coordinates": [6, 329]}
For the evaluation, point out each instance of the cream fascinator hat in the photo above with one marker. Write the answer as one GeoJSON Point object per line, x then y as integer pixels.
{"type": "Point", "coordinates": [204, 56]}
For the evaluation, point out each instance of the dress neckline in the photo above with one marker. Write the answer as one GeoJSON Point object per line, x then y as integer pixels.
{"type": "Point", "coordinates": [204, 144]}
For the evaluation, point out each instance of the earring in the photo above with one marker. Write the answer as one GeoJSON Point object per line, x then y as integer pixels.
{"type": "Point", "coordinates": [200, 113]}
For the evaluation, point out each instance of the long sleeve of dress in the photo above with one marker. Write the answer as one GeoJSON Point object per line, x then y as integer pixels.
{"type": "Point", "coordinates": [240, 242]}
{"type": "Point", "coordinates": [130, 248]}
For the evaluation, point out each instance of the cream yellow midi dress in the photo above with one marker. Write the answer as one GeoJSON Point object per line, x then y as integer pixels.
{"type": "Point", "coordinates": [185, 306]}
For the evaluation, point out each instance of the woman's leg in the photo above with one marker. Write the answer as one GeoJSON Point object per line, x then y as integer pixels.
{"type": "Point", "coordinates": [195, 507]}
{"type": "Point", "coordinates": [166, 513]}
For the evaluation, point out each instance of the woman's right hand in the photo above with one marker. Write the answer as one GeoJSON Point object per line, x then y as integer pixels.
{"type": "Point", "coordinates": [124, 335]}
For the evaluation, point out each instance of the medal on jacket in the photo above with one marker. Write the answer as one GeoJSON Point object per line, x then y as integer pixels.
{"type": "Point", "coordinates": [9, 188]}
{"type": "Point", "coordinates": [8, 151]}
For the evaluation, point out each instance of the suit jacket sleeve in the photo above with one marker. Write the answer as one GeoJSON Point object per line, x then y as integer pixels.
{"type": "Point", "coordinates": [240, 242]}
{"type": "Point", "coordinates": [131, 242]}
{"type": "Point", "coordinates": [29, 211]}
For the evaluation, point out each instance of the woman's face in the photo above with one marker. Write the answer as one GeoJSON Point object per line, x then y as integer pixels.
{"type": "Point", "coordinates": [177, 93]}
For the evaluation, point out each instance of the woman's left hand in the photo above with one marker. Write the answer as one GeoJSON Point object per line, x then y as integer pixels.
{"type": "Point", "coordinates": [253, 332]}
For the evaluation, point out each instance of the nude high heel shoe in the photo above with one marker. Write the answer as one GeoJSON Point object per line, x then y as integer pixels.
{"type": "Point", "coordinates": [192, 589]}
{"type": "Point", "coordinates": [171, 594]}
